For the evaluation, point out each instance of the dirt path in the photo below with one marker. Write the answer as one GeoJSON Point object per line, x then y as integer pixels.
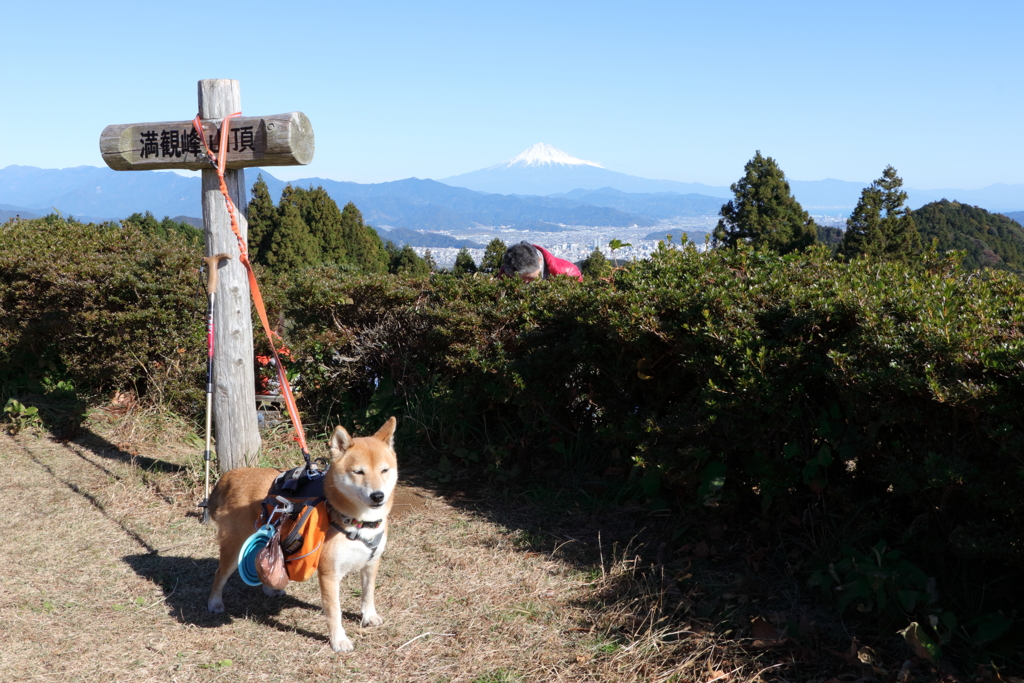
{"type": "Point", "coordinates": [107, 570]}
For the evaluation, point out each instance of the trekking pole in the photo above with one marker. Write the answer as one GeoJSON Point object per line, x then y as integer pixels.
{"type": "Point", "coordinates": [212, 262]}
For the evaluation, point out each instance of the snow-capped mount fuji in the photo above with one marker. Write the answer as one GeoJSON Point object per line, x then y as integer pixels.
{"type": "Point", "coordinates": [545, 170]}
{"type": "Point", "coordinates": [543, 154]}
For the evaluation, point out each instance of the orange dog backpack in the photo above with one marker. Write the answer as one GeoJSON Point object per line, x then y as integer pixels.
{"type": "Point", "coordinates": [297, 506]}
{"type": "Point", "coordinates": [302, 539]}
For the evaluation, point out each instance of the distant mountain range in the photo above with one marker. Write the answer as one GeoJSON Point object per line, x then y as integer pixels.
{"type": "Point", "coordinates": [544, 170]}
{"type": "Point", "coordinates": [430, 205]}
{"type": "Point", "coordinates": [676, 235]}
{"type": "Point", "coordinates": [434, 240]}
{"type": "Point", "coordinates": [832, 196]}
{"type": "Point", "coordinates": [655, 205]}
{"type": "Point", "coordinates": [7, 212]}
{"type": "Point", "coordinates": [541, 189]}
{"type": "Point", "coordinates": [90, 193]}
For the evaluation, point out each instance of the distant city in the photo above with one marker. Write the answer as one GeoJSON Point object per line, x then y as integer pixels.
{"type": "Point", "coordinates": [576, 243]}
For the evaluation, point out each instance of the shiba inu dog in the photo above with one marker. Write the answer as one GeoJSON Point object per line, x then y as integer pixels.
{"type": "Point", "coordinates": [359, 487]}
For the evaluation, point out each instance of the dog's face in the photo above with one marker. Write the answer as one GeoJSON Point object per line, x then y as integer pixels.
{"type": "Point", "coordinates": [364, 470]}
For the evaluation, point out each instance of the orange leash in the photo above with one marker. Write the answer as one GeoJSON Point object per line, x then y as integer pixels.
{"type": "Point", "coordinates": [243, 255]}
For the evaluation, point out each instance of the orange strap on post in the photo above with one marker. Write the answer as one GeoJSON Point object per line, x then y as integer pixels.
{"type": "Point", "coordinates": [243, 255]}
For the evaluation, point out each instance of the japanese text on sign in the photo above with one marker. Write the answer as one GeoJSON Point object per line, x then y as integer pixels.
{"type": "Point", "coordinates": [178, 143]}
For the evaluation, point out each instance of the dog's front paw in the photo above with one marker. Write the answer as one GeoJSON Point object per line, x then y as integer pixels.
{"type": "Point", "coordinates": [215, 605]}
{"type": "Point", "coordinates": [342, 644]}
{"type": "Point", "coordinates": [371, 619]}
{"type": "Point", "coordinates": [273, 592]}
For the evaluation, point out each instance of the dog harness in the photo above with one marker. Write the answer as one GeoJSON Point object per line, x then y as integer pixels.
{"type": "Point", "coordinates": [305, 487]}
{"type": "Point", "coordinates": [296, 504]}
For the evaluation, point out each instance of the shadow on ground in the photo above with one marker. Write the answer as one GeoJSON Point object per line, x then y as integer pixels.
{"type": "Point", "coordinates": [103, 448]}
{"type": "Point", "coordinates": [568, 523]}
{"type": "Point", "coordinates": [186, 583]}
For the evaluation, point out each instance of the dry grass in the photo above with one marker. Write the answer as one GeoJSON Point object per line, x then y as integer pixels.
{"type": "Point", "coordinates": [108, 571]}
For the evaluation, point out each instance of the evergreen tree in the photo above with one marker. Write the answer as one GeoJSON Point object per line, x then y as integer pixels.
{"type": "Point", "coordinates": [193, 234]}
{"type": "Point", "coordinates": [881, 225]}
{"type": "Point", "coordinates": [262, 218]}
{"type": "Point", "coordinates": [988, 240]}
{"type": "Point", "coordinates": [464, 264]}
{"type": "Point", "coordinates": [406, 261]}
{"type": "Point", "coordinates": [377, 256]}
{"type": "Point", "coordinates": [392, 250]}
{"type": "Point", "coordinates": [362, 244]}
{"type": "Point", "coordinates": [830, 237]}
{"type": "Point", "coordinates": [493, 256]}
{"type": "Point", "coordinates": [764, 211]}
{"type": "Point", "coordinates": [596, 265]}
{"type": "Point", "coordinates": [324, 220]}
{"type": "Point", "coordinates": [291, 245]}
{"type": "Point", "coordinates": [148, 223]}
{"type": "Point", "coordinates": [428, 258]}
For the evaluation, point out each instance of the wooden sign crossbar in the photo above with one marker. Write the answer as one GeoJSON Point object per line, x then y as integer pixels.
{"type": "Point", "coordinates": [279, 140]}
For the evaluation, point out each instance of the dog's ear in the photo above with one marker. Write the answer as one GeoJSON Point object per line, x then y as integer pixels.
{"type": "Point", "coordinates": [387, 432]}
{"type": "Point", "coordinates": [340, 441]}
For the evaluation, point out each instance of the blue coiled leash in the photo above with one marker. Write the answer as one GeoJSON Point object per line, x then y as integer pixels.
{"type": "Point", "coordinates": [247, 555]}
{"type": "Point", "coordinates": [256, 543]}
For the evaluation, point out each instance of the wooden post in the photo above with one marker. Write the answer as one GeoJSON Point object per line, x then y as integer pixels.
{"type": "Point", "coordinates": [234, 383]}
{"type": "Point", "coordinates": [278, 140]}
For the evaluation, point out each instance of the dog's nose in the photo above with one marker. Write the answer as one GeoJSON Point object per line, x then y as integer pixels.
{"type": "Point", "coordinates": [377, 497]}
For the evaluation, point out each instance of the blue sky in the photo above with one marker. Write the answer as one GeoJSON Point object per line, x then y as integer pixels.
{"type": "Point", "coordinates": [683, 91]}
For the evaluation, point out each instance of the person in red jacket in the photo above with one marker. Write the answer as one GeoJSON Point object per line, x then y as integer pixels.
{"type": "Point", "coordinates": [532, 262]}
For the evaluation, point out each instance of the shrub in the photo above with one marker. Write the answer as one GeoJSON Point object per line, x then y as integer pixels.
{"type": "Point", "coordinates": [106, 307]}
{"type": "Point", "coordinates": [732, 377]}
{"type": "Point", "coordinates": [148, 223]}
{"type": "Point", "coordinates": [743, 379]}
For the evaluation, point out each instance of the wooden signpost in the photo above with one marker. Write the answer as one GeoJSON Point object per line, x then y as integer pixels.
{"type": "Point", "coordinates": [279, 140]}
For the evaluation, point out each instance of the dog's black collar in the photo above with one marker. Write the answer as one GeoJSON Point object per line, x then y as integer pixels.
{"type": "Point", "coordinates": [353, 526]}
{"type": "Point", "coordinates": [358, 524]}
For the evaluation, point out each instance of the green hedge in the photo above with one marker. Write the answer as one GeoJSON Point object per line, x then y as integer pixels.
{"type": "Point", "coordinates": [746, 380]}
{"type": "Point", "coordinates": [104, 307]}
{"type": "Point", "coordinates": [732, 378]}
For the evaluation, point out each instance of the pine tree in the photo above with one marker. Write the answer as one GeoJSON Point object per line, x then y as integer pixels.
{"type": "Point", "coordinates": [362, 244]}
{"type": "Point", "coordinates": [881, 225]}
{"type": "Point", "coordinates": [493, 256]}
{"type": "Point", "coordinates": [262, 218]}
{"type": "Point", "coordinates": [596, 265]}
{"type": "Point", "coordinates": [464, 264]}
{"type": "Point", "coordinates": [291, 245]}
{"type": "Point", "coordinates": [764, 211]}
